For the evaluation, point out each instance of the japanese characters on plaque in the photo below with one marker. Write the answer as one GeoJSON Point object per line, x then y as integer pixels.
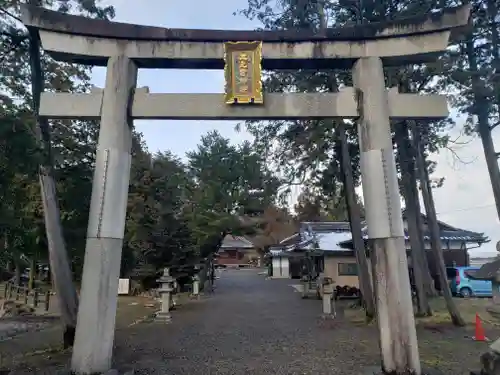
{"type": "Point", "coordinates": [243, 72]}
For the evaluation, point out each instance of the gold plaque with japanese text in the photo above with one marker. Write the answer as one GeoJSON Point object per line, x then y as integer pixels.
{"type": "Point", "coordinates": [243, 72]}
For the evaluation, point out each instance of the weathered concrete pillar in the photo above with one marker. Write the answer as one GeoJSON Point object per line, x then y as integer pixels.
{"type": "Point", "coordinates": [95, 331]}
{"type": "Point", "coordinates": [398, 339]}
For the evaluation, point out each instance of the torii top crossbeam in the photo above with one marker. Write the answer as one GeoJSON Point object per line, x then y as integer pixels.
{"type": "Point", "coordinates": [399, 42]}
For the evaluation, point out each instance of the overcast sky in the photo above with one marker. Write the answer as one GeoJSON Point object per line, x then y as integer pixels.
{"type": "Point", "coordinates": [465, 200]}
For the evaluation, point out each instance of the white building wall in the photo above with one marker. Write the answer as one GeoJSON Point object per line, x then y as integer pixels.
{"type": "Point", "coordinates": [281, 267]}
{"type": "Point", "coordinates": [445, 245]}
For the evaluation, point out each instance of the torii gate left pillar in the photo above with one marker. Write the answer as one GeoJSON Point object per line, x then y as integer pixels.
{"type": "Point", "coordinates": [106, 227]}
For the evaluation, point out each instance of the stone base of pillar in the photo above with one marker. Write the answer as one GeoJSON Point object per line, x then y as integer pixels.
{"type": "Point", "coordinates": [109, 372]}
{"type": "Point", "coordinates": [376, 370]}
{"type": "Point", "coordinates": [115, 372]}
{"type": "Point", "coordinates": [327, 316]}
{"type": "Point", "coordinates": [163, 317]}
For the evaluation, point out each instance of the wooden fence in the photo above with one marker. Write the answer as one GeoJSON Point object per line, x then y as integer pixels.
{"type": "Point", "coordinates": [34, 298]}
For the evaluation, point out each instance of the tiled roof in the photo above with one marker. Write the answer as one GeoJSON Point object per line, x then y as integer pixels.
{"type": "Point", "coordinates": [239, 242]}
{"type": "Point", "coordinates": [326, 226]}
{"type": "Point", "coordinates": [446, 235]}
{"type": "Point", "coordinates": [336, 236]}
{"type": "Point", "coordinates": [294, 238]}
{"type": "Point", "coordinates": [459, 235]}
{"type": "Point", "coordinates": [329, 241]}
{"type": "Point", "coordinates": [318, 235]}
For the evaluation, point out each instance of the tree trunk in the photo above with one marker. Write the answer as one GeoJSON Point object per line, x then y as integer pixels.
{"type": "Point", "coordinates": [433, 226]}
{"type": "Point", "coordinates": [17, 271]}
{"type": "Point", "coordinates": [410, 170]}
{"type": "Point", "coordinates": [430, 288]}
{"type": "Point", "coordinates": [31, 281]}
{"type": "Point", "coordinates": [58, 257]}
{"type": "Point", "coordinates": [9, 264]}
{"type": "Point", "coordinates": [485, 131]}
{"type": "Point", "coordinates": [355, 223]}
{"type": "Point", "coordinates": [492, 8]}
{"type": "Point", "coordinates": [417, 263]}
{"type": "Point", "coordinates": [483, 126]}
{"type": "Point", "coordinates": [17, 263]}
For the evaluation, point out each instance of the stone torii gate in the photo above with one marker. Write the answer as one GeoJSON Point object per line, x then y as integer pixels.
{"type": "Point", "coordinates": [123, 48]}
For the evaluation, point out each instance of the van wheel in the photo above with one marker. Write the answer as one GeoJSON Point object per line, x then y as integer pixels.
{"type": "Point", "coordinates": [465, 292]}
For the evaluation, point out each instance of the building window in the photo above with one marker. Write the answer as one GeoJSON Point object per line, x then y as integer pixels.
{"type": "Point", "coordinates": [348, 269]}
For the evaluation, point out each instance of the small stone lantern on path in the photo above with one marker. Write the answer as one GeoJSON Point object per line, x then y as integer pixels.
{"type": "Point", "coordinates": [166, 287]}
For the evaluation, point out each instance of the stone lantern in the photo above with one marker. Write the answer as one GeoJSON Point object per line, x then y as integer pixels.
{"type": "Point", "coordinates": [166, 287]}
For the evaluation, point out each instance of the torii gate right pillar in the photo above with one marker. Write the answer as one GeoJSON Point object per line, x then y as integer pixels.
{"type": "Point", "coordinates": [398, 338]}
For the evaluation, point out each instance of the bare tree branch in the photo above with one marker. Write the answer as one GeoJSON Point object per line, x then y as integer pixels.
{"type": "Point", "coordinates": [457, 158]}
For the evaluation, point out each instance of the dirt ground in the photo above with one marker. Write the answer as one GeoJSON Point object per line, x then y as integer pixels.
{"type": "Point", "coordinates": [251, 325]}
{"type": "Point", "coordinates": [444, 346]}
{"type": "Point", "coordinates": [44, 346]}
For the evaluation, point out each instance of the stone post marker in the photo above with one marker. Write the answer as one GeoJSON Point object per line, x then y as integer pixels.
{"type": "Point", "coordinates": [327, 285]}
{"type": "Point", "coordinates": [108, 207]}
{"type": "Point", "coordinates": [196, 286]}
{"type": "Point", "coordinates": [304, 280]}
{"type": "Point", "coordinates": [166, 288]}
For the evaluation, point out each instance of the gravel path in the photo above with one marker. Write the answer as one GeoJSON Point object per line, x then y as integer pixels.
{"type": "Point", "coordinates": [250, 326]}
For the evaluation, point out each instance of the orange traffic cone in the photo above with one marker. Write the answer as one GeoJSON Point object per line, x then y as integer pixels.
{"type": "Point", "coordinates": [479, 332]}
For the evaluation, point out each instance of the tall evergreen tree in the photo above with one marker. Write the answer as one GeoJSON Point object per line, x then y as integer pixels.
{"type": "Point", "coordinates": [232, 187]}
